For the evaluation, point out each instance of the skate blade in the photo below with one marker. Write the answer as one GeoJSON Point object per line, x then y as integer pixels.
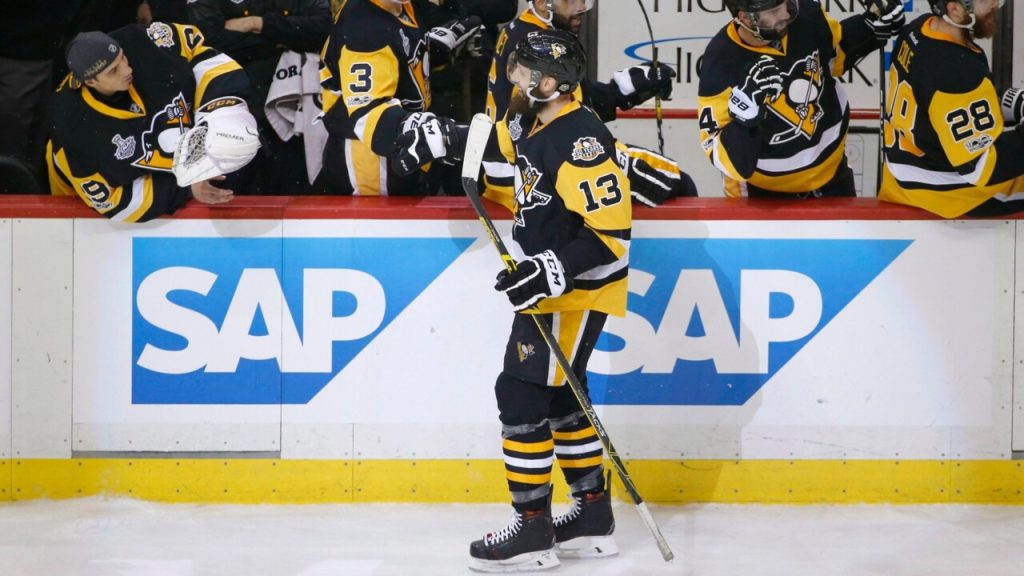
{"type": "Point", "coordinates": [529, 562]}
{"type": "Point", "coordinates": [587, 547]}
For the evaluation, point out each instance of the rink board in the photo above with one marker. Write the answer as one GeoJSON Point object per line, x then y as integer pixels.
{"type": "Point", "coordinates": [254, 359]}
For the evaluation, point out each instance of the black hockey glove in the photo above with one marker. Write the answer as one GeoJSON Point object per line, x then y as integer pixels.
{"type": "Point", "coordinates": [652, 185]}
{"type": "Point", "coordinates": [763, 81]}
{"type": "Point", "coordinates": [533, 280]}
{"type": "Point", "coordinates": [638, 84]}
{"type": "Point", "coordinates": [885, 18]}
{"type": "Point", "coordinates": [448, 40]}
{"type": "Point", "coordinates": [1012, 104]}
{"type": "Point", "coordinates": [424, 139]}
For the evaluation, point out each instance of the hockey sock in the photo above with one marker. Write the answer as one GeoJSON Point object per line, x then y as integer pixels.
{"type": "Point", "coordinates": [580, 454]}
{"type": "Point", "coordinates": [528, 459]}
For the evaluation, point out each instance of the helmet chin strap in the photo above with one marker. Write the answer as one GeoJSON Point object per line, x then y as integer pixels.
{"type": "Point", "coordinates": [551, 12]}
{"type": "Point", "coordinates": [969, 27]}
{"type": "Point", "coordinates": [755, 31]}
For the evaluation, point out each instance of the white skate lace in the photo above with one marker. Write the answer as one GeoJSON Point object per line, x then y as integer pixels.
{"type": "Point", "coordinates": [572, 514]}
{"type": "Point", "coordinates": [514, 524]}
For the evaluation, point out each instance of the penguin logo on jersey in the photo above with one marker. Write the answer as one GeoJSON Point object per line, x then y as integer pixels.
{"type": "Point", "coordinates": [524, 351]}
{"type": "Point", "coordinates": [161, 34]}
{"type": "Point", "coordinates": [159, 142]}
{"type": "Point", "coordinates": [587, 149]}
{"type": "Point", "coordinates": [799, 104]}
{"type": "Point", "coordinates": [527, 197]}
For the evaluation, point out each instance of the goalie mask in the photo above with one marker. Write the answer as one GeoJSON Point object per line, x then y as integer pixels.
{"type": "Point", "coordinates": [547, 53]}
{"type": "Point", "coordinates": [767, 20]}
{"type": "Point", "coordinates": [221, 142]}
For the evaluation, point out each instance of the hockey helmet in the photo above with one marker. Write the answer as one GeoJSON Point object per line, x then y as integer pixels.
{"type": "Point", "coordinates": [576, 6]}
{"type": "Point", "coordinates": [765, 19]}
{"type": "Point", "coordinates": [939, 6]}
{"type": "Point", "coordinates": [555, 53]}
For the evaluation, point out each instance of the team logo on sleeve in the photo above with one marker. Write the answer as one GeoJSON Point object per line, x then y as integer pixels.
{"type": "Point", "coordinates": [587, 149]}
{"type": "Point", "coordinates": [161, 34]}
{"type": "Point", "coordinates": [524, 351]}
{"type": "Point", "coordinates": [798, 106]}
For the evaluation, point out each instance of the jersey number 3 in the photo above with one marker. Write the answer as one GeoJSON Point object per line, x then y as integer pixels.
{"type": "Point", "coordinates": [608, 192]}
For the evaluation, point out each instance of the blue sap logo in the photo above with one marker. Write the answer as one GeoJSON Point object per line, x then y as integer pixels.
{"type": "Point", "coordinates": [711, 321]}
{"type": "Point", "coordinates": [220, 321]}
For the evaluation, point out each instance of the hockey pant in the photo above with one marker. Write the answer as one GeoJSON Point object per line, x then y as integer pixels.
{"type": "Point", "coordinates": [541, 417]}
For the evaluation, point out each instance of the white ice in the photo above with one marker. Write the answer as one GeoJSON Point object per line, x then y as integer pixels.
{"type": "Point", "coordinates": [114, 537]}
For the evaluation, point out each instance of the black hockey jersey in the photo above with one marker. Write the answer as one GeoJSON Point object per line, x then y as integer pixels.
{"type": "Point", "coordinates": [945, 149]}
{"type": "Point", "coordinates": [801, 142]}
{"type": "Point", "coordinates": [571, 197]}
{"type": "Point", "coordinates": [375, 70]}
{"type": "Point", "coordinates": [118, 158]}
{"type": "Point", "coordinates": [299, 25]}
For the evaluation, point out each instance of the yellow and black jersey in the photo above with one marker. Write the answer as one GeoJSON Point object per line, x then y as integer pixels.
{"type": "Point", "coordinates": [800, 145]}
{"type": "Point", "coordinates": [116, 153]}
{"type": "Point", "coordinates": [945, 150]}
{"type": "Point", "coordinates": [571, 197]}
{"type": "Point", "coordinates": [374, 71]}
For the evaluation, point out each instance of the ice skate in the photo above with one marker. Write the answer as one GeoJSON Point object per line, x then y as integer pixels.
{"type": "Point", "coordinates": [585, 531]}
{"type": "Point", "coordinates": [525, 545]}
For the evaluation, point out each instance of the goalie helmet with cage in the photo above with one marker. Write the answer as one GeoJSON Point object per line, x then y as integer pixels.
{"type": "Point", "coordinates": [549, 53]}
{"type": "Point", "coordinates": [767, 20]}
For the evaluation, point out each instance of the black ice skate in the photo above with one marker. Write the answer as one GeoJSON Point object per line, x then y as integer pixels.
{"type": "Point", "coordinates": [525, 545]}
{"type": "Point", "coordinates": [586, 530]}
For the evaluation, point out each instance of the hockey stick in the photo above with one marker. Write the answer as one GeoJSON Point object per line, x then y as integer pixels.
{"type": "Point", "coordinates": [479, 132]}
{"type": "Point", "coordinates": [657, 71]}
{"type": "Point", "coordinates": [877, 8]}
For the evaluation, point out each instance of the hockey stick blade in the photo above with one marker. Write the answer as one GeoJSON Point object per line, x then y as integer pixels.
{"type": "Point", "coordinates": [479, 133]}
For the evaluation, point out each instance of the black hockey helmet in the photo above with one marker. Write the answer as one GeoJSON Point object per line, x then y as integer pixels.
{"type": "Point", "coordinates": [556, 53]}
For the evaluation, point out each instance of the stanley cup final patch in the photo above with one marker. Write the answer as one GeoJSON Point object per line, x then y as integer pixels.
{"type": "Point", "coordinates": [587, 149]}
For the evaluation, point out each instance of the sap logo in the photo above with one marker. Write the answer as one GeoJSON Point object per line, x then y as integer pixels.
{"type": "Point", "coordinates": [266, 321]}
{"type": "Point", "coordinates": [711, 321]}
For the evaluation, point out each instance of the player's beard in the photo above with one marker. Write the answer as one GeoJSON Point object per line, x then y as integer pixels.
{"type": "Point", "coordinates": [568, 24]}
{"type": "Point", "coordinates": [985, 27]}
{"type": "Point", "coordinates": [521, 104]}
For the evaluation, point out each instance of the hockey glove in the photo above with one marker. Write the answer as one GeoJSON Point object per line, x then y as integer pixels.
{"type": "Point", "coordinates": [221, 142]}
{"type": "Point", "coordinates": [533, 280]}
{"type": "Point", "coordinates": [763, 82]}
{"type": "Point", "coordinates": [1013, 105]}
{"type": "Point", "coordinates": [654, 178]}
{"type": "Point", "coordinates": [448, 40]}
{"type": "Point", "coordinates": [638, 84]}
{"type": "Point", "coordinates": [425, 138]}
{"type": "Point", "coordinates": [885, 18]}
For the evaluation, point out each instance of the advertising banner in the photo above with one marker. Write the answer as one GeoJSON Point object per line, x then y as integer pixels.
{"type": "Point", "coordinates": [382, 339]}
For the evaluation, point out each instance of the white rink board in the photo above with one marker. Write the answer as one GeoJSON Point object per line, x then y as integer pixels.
{"type": "Point", "coordinates": [916, 364]}
{"type": "Point", "coordinates": [6, 250]}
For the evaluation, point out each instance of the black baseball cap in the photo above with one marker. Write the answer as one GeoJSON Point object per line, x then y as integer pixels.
{"type": "Point", "coordinates": [91, 53]}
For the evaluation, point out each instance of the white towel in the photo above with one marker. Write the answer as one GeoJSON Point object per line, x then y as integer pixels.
{"type": "Point", "coordinates": [293, 103]}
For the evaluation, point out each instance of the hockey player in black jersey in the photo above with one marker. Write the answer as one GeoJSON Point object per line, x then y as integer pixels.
{"type": "Point", "coordinates": [570, 237]}
{"type": "Point", "coordinates": [945, 148]}
{"type": "Point", "coordinates": [123, 117]}
{"type": "Point", "coordinates": [772, 117]}
{"type": "Point", "coordinates": [375, 79]}
{"type": "Point", "coordinates": [654, 178]}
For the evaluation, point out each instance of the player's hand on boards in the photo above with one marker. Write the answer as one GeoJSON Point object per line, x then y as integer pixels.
{"type": "Point", "coordinates": [638, 84]}
{"type": "Point", "coordinates": [207, 193]}
{"type": "Point", "coordinates": [534, 279]}
{"type": "Point", "coordinates": [763, 82]}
